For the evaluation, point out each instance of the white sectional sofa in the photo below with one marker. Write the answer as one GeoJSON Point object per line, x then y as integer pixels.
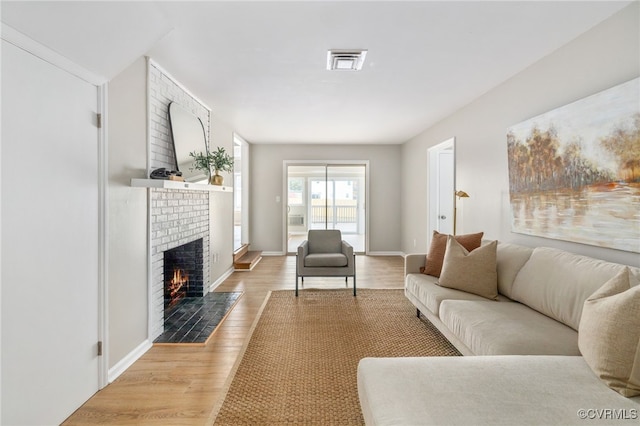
{"type": "Point", "coordinates": [525, 365]}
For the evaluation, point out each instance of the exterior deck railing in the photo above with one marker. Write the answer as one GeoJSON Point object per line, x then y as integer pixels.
{"type": "Point", "coordinates": [341, 214]}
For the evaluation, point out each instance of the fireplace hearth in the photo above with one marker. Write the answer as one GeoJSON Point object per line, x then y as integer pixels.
{"type": "Point", "coordinates": [183, 273]}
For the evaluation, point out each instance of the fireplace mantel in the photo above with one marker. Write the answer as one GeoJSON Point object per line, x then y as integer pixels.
{"type": "Point", "coordinates": [172, 184]}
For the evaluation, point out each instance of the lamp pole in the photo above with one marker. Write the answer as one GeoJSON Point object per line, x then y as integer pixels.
{"type": "Point", "coordinates": [459, 194]}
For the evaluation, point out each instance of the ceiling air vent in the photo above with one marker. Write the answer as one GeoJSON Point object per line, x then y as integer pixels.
{"type": "Point", "coordinates": [345, 60]}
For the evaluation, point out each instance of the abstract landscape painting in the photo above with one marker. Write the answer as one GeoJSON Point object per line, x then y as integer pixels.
{"type": "Point", "coordinates": [574, 172]}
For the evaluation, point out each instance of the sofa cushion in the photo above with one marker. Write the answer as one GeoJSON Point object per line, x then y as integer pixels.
{"type": "Point", "coordinates": [609, 333]}
{"type": "Point", "coordinates": [435, 257]}
{"type": "Point", "coordinates": [424, 288]}
{"type": "Point", "coordinates": [557, 283]}
{"type": "Point", "coordinates": [510, 259]}
{"type": "Point", "coordinates": [325, 259]}
{"type": "Point", "coordinates": [478, 390]}
{"type": "Point", "coordinates": [473, 272]}
{"type": "Point", "coordinates": [507, 328]}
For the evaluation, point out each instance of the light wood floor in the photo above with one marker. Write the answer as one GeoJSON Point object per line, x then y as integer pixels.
{"type": "Point", "coordinates": [179, 385]}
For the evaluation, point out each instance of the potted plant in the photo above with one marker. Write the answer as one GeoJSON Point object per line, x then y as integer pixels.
{"type": "Point", "coordinates": [218, 161]}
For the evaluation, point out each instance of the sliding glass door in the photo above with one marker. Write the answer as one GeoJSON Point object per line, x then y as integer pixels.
{"type": "Point", "coordinates": [326, 196]}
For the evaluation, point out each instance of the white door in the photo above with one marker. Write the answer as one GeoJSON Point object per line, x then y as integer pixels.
{"type": "Point", "coordinates": [441, 187]}
{"type": "Point", "coordinates": [49, 240]}
{"type": "Point", "coordinates": [445, 192]}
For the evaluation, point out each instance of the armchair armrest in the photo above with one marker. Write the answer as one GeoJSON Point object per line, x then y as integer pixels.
{"type": "Point", "coordinates": [303, 251]}
{"type": "Point", "coordinates": [347, 250]}
{"type": "Point", "coordinates": [413, 262]}
{"type": "Point", "coordinates": [303, 248]}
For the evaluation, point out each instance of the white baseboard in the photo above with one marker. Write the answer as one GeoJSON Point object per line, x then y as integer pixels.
{"type": "Point", "coordinates": [385, 253]}
{"type": "Point", "coordinates": [220, 279]}
{"type": "Point", "coordinates": [135, 354]}
{"type": "Point", "coordinates": [128, 360]}
{"type": "Point", "coordinates": [273, 253]}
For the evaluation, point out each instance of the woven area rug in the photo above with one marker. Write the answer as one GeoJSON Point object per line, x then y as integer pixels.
{"type": "Point", "coordinates": [300, 364]}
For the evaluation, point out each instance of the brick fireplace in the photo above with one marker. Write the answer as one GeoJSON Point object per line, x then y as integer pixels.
{"type": "Point", "coordinates": [178, 218]}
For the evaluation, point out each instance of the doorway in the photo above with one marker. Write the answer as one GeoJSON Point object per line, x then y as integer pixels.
{"type": "Point", "coordinates": [240, 192]}
{"type": "Point", "coordinates": [326, 196]}
{"type": "Point", "coordinates": [441, 160]}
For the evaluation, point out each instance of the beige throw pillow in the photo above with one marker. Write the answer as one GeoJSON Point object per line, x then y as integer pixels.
{"type": "Point", "coordinates": [435, 257]}
{"type": "Point", "coordinates": [609, 333]}
{"type": "Point", "coordinates": [474, 272]}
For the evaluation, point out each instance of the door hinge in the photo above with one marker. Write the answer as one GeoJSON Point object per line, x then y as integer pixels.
{"type": "Point", "coordinates": [100, 348]}
{"type": "Point", "coordinates": [99, 120]}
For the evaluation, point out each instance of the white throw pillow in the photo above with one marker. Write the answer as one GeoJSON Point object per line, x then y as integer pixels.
{"type": "Point", "coordinates": [474, 272]}
{"type": "Point", "coordinates": [609, 333]}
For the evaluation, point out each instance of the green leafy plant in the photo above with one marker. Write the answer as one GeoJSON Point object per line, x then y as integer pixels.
{"type": "Point", "coordinates": [218, 161]}
{"type": "Point", "coordinates": [222, 162]}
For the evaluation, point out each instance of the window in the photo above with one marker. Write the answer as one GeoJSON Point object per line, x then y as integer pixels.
{"type": "Point", "coordinates": [296, 191]}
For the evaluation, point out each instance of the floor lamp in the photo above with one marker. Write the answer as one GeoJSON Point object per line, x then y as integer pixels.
{"type": "Point", "coordinates": [459, 194]}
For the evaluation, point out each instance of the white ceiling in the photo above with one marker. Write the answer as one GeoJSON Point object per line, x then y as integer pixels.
{"type": "Point", "coordinates": [261, 66]}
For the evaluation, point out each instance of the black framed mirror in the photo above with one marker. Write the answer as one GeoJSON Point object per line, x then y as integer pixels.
{"type": "Point", "coordinates": [188, 134]}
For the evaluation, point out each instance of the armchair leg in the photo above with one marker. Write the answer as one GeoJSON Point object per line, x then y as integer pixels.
{"type": "Point", "coordinates": [296, 285]}
{"type": "Point", "coordinates": [354, 274]}
{"type": "Point", "coordinates": [354, 284]}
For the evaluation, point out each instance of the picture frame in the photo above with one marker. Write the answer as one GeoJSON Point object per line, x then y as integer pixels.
{"type": "Point", "coordinates": [574, 172]}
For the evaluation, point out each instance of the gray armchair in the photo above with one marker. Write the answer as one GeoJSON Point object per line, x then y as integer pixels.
{"type": "Point", "coordinates": [325, 254]}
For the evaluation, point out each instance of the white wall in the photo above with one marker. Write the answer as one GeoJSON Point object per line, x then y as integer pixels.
{"type": "Point", "coordinates": [607, 55]}
{"type": "Point", "coordinates": [221, 208]}
{"type": "Point", "coordinates": [128, 226]}
{"type": "Point", "coordinates": [128, 282]}
{"type": "Point", "coordinates": [266, 216]}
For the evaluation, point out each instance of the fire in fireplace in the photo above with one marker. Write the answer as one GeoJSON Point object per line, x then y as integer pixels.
{"type": "Point", "coordinates": [183, 274]}
{"type": "Point", "coordinates": [177, 286]}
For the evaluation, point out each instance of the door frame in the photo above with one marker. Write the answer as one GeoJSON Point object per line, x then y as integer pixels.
{"type": "Point", "coordinates": [103, 236]}
{"type": "Point", "coordinates": [433, 183]}
{"type": "Point", "coordinates": [325, 163]}
{"type": "Point", "coordinates": [245, 230]}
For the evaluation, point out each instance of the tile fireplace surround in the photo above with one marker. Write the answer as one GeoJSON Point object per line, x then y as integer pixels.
{"type": "Point", "coordinates": [182, 274]}
{"type": "Point", "coordinates": [177, 217]}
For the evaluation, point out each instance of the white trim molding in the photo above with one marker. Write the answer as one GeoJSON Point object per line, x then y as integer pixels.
{"type": "Point", "coordinates": [128, 360]}
{"type": "Point", "coordinates": [273, 253]}
{"type": "Point", "coordinates": [220, 279]}
{"type": "Point", "coordinates": [103, 235]}
{"type": "Point", "coordinates": [18, 39]}
{"type": "Point", "coordinates": [386, 253]}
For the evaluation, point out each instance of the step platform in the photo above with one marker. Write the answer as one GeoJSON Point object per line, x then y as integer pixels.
{"type": "Point", "coordinates": [245, 259]}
